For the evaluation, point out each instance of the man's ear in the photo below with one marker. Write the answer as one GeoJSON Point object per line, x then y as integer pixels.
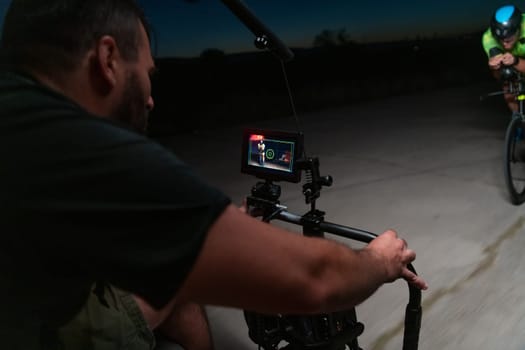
{"type": "Point", "coordinates": [107, 60]}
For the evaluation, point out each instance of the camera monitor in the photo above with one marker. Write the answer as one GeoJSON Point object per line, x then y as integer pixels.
{"type": "Point", "coordinates": [271, 154]}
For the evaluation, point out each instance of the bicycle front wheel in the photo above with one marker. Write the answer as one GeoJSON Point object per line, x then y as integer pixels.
{"type": "Point", "coordinates": [514, 162]}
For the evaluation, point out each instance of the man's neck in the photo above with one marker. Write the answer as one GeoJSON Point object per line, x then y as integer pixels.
{"type": "Point", "coordinates": [75, 87]}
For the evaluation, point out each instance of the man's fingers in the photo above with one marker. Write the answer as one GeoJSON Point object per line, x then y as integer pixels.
{"type": "Point", "coordinates": [410, 255]}
{"type": "Point", "coordinates": [244, 206]}
{"type": "Point", "coordinates": [414, 279]}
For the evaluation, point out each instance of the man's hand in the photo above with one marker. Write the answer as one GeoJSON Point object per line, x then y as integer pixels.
{"type": "Point", "coordinates": [395, 255]}
{"type": "Point", "coordinates": [508, 59]}
{"type": "Point", "coordinates": [250, 211]}
{"type": "Point", "coordinates": [495, 62]}
{"type": "Point", "coordinates": [244, 206]}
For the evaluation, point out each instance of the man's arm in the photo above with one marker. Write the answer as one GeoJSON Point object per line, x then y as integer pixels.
{"type": "Point", "coordinates": [249, 264]}
{"type": "Point", "coordinates": [516, 61]}
{"type": "Point", "coordinates": [495, 55]}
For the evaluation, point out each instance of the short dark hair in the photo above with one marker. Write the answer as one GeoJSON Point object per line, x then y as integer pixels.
{"type": "Point", "coordinates": [52, 35]}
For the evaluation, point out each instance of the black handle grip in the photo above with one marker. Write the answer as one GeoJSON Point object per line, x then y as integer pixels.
{"type": "Point", "coordinates": [413, 316]}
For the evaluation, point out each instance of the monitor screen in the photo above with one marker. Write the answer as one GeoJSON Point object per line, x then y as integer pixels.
{"type": "Point", "coordinates": [271, 154]}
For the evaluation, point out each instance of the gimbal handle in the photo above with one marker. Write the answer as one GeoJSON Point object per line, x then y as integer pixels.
{"type": "Point", "coordinates": [413, 311]}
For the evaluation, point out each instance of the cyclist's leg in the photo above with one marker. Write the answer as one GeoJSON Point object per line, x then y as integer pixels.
{"type": "Point", "coordinates": [510, 99]}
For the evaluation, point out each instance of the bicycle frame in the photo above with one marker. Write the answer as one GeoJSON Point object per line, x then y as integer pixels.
{"type": "Point", "coordinates": [517, 88]}
{"type": "Point", "coordinates": [514, 165]}
{"type": "Point", "coordinates": [514, 84]}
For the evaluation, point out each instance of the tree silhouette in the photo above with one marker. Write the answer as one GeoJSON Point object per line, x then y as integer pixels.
{"type": "Point", "coordinates": [212, 55]}
{"type": "Point", "coordinates": [331, 38]}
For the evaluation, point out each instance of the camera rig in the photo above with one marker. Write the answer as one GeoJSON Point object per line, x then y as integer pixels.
{"type": "Point", "coordinates": [332, 331]}
{"type": "Point", "coordinates": [279, 156]}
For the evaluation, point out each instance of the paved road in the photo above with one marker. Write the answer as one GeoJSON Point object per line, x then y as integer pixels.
{"type": "Point", "coordinates": [429, 166]}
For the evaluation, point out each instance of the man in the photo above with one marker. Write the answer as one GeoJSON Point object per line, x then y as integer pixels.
{"type": "Point", "coordinates": [260, 148]}
{"type": "Point", "coordinates": [504, 44]}
{"type": "Point", "coordinates": [107, 236]}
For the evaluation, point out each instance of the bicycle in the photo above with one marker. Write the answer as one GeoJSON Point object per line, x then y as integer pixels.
{"type": "Point", "coordinates": [514, 145]}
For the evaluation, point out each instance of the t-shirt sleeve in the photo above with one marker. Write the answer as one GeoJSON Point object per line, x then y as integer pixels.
{"type": "Point", "coordinates": [490, 44]}
{"type": "Point", "coordinates": [116, 206]}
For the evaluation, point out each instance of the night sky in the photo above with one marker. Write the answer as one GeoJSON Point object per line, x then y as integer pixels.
{"type": "Point", "coordinates": [185, 29]}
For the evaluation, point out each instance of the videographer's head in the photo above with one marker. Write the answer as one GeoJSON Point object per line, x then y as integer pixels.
{"type": "Point", "coordinates": [505, 25]}
{"type": "Point", "coordinates": [54, 35]}
{"type": "Point", "coordinates": [107, 40]}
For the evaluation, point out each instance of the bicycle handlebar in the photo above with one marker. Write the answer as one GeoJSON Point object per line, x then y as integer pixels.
{"type": "Point", "coordinates": [413, 311]}
{"type": "Point", "coordinates": [509, 73]}
{"type": "Point", "coordinates": [514, 80]}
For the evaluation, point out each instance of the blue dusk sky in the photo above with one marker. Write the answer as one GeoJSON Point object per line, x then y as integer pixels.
{"type": "Point", "coordinates": [186, 28]}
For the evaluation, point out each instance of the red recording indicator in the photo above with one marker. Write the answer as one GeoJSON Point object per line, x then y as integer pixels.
{"type": "Point", "coordinates": [255, 137]}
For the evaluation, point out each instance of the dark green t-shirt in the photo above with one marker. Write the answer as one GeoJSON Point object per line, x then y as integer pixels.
{"type": "Point", "coordinates": [83, 199]}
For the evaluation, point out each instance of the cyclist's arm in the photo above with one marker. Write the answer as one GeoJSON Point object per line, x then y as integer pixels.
{"type": "Point", "coordinates": [495, 55]}
{"type": "Point", "coordinates": [519, 64]}
{"type": "Point", "coordinates": [493, 51]}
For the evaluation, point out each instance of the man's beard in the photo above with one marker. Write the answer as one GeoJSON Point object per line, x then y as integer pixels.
{"type": "Point", "coordinates": [132, 108]}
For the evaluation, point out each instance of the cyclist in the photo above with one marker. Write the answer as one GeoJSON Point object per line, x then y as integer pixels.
{"type": "Point", "coordinates": [504, 44]}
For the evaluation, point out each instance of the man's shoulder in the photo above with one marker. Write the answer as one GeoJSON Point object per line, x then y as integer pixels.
{"type": "Point", "coordinates": [488, 41]}
{"type": "Point", "coordinates": [519, 49]}
{"type": "Point", "coordinates": [20, 93]}
{"type": "Point", "coordinates": [27, 102]}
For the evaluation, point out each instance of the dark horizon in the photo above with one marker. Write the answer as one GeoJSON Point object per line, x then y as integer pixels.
{"type": "Point", "coordinates": [187, 29]}
{"type": "Point", "coordinates": [250, 51]}
{"type": "Point", "coordinates": [223, 89]}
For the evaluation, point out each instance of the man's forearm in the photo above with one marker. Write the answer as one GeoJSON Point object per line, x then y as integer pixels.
{"type": "Point", "coordinates": [252, 265]}
{"type": "Point", "coordinates": [520, 66]}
